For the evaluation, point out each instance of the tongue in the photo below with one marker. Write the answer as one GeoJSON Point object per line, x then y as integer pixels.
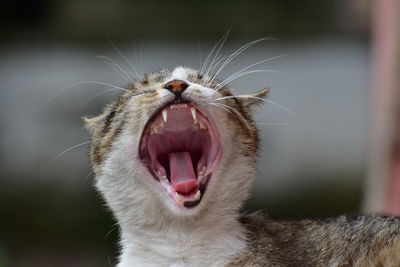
{"type": "Point", "coordinates": [183, 178]}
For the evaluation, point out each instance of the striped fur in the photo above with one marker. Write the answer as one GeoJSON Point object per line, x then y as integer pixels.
{"type": "Point", "coordinates": [154, 233]}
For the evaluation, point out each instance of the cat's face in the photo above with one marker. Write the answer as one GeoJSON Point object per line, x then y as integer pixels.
{"type": "Point", "coordinates": [174, 143]}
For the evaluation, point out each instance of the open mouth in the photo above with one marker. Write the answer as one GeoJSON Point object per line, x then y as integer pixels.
{"type": "Point", "coordinates": [181, 148]}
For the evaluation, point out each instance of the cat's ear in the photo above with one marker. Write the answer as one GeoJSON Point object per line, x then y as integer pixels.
{"type": "Point", "coordinates": [253, 100]}
{"type": "Point", "coordinates": [92, 124]}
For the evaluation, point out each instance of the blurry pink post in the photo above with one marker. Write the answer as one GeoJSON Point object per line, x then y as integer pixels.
{"type": "Point", "coordinates": [383, 183]}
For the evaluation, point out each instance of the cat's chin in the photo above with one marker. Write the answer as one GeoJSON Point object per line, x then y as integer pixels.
{"type": "Point", "coordinates": [181, 148]}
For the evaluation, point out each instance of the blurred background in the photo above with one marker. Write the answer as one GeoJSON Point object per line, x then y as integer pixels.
{"type": "Point", "coordinates": [316, 153]}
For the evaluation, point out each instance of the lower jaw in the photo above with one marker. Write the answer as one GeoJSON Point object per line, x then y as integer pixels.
{"type": "Point", "coordinates": [188, 201]}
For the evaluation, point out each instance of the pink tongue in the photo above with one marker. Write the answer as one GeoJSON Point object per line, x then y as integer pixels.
{"type": "Point", "coordinates": [183, 178]}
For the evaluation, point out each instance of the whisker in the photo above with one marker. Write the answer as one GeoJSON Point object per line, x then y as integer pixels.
{"type": "Point", "coordinates": [231, 78]}
{"type": "Point", "coordinates": [112, 89]}
{"type": "Point", "coordinates": [90, 173]}
{"type": "Point", "coordinates": [212, 68]}
{"type": "Point", "coordinates": [138, 71]}
{"type": "Point", "coordinates": [141, 53]}
{"type": "Point", "coordinates": [199, 51]}
{"type": "Point", "coordinates": [219, 49]}
{"type": "Point", "coordinates": [121, 71]}
{"type": "Point", "coordinates": [274, 123]}
{"type": "Point", "coordinates": [115, 226]}
{"type": "Point", "coordinates": [205, 64]}
{"type": "Point", "coordinates": [85, 82]}
{"type": "Point", "coordinates": [262, 99]}
{"type": "Point", "coordinates": [99, 94]}
{"type": "Point", "coordinates": [126, 60]}
{"type": "Point", "coordinates": [236, 113]}
{"type": "Point", "coordinates": [237, 53]}
{"type": "Point", "coordinates": [255, 64]}
{"type": "Point", "coordinates": [69, 149]}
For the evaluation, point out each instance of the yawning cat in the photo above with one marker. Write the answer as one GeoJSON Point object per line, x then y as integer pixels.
{"type": "Point", "coordinates": [174, 157]}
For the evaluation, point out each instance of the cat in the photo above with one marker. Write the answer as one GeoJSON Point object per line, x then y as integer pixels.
{"type": "Point", "coordinates": [174, 156]}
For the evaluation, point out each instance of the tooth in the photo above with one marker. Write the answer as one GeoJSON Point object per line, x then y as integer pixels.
{"type": "Point", "coordinates": [202, 125]}
{"type": "Point", "coordinates": [202, 171]}
{"type": "Point", "coordinates": [160, 176]}
{"type": "Point", "coordinates": [178, 197]}
{"type": "Point", "coordinates": [193, 110]}
{"type": "Point", "coordinates": [197, 195]}
{"type": "Point", "coordinates": [165, 115]}
{"type": "Point", "coordinates": [154, 130]}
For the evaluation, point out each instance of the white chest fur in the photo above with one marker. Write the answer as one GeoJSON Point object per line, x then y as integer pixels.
{"type": "Point", "coordinates": [182, 245]}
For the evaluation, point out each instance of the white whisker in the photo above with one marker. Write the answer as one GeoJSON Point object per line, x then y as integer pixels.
{"type": "Point", "coordinates": [141, 53]}
{"type": "Point", "coordinates": [274, 123]}
{"type": "Point", "coordinates": [199, 51]}
{"type": "Point", "coordinates": [139, 72]}
{"type": "Point", "coordinates": [235, 76]}
{"type": "Point", "coordinates": [137, 76]}
{"type": "Point", "coordinates": [85, 82]}
{"type": "Point", "coordinates": [109, 90]}
{"type": "Point", "coordinates": [118, 68]}
{"type": "Point", "coordinates": [237, 53]}
{"type": "Point", "coordinates": [262, 99]}
{"type": "Point", "coordinates": [255, 64]}
{"type": "Point", "coordinates": [113, 227]}
{"type": "Point", "coordinates": [217, 52]}
{"type": "Point", "coordinates": [69, 149]}
{"type": "Point", "coordinates": [235, 112]}
{"type": "Point", "coordinates": [205, 64]}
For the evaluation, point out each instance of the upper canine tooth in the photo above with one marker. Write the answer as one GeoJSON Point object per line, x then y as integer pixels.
{"type": "Point", "coordinates": [165, 115]}
{"type": "Point", "coordinates": [193, 110]}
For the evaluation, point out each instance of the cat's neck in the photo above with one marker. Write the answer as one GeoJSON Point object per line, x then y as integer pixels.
{"type": "Point", "coordinates": [176, 241]}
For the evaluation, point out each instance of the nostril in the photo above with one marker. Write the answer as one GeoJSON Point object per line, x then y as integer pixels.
{"type": "Point", "coordinates": [176, 86]}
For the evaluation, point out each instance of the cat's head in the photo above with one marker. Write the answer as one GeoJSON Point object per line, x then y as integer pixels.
{"type": "Point", "coordinates": [176, 143]}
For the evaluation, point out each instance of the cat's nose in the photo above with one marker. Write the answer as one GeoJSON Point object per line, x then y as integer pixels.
{"type": "Point", "coordinates": [177, 87]}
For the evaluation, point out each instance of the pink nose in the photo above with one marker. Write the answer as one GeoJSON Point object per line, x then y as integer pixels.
{"type": "Point", "coordinates": [176, 86]}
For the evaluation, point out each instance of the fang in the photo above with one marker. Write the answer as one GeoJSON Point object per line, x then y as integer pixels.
{"type": "Point", "coordinates": [193, 110]}
{"type": "Point", "coordinates": [165, 115]}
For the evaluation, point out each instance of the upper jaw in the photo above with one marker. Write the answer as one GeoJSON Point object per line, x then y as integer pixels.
{"type": "Point", "coordinates": [181, 148]}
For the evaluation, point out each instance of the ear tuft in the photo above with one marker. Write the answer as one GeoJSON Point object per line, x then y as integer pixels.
{"type": "Point", "coordinates": [255, 99]}
{"type": "Point", "coordinates": [91, 124]}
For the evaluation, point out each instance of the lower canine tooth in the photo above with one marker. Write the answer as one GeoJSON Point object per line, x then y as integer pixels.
{"type": "Point", "coordinates": [202, 171]}
{"type": "Point", "coordinates": [197, 195]}
{"type": "Point", "coordinates": [178, 197]}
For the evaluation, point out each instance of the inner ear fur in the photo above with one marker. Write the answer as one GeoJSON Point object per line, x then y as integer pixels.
{"type": "Point", "coordinates": [255, 99]}
{"type": "Point", "coordinates": [93, 124]}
